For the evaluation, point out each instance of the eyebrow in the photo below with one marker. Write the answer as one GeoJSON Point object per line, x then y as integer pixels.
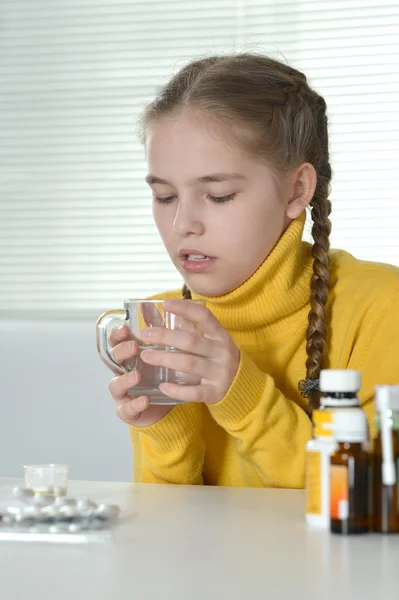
{"type": "Point", "coordinates": [212, 178]}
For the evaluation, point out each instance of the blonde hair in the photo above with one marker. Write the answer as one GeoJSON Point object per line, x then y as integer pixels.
{"type": "Point", "coordinates": [281, 118]}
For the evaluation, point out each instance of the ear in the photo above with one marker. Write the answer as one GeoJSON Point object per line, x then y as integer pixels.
{"type": "Point", "coordinates": [302, 187]}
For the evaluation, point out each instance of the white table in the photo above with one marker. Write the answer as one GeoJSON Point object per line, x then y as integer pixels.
{"type": "Point", "coordinates": [177, 542]}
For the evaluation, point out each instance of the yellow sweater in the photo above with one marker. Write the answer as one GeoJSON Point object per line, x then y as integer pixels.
{"type": "Point", "coordinates": [256, 435]}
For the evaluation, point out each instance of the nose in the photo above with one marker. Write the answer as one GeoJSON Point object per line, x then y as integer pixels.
{"type": "Point", "coordinates": [187, 219]}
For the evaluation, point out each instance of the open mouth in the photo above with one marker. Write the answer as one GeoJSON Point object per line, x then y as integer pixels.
{"type": "Point", "coordinates": [194, 261]}
{"type": "Point", "coordinates": [196, 257]}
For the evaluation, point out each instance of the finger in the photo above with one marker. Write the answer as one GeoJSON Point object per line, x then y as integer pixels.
{"type": "Point", "coordinates": [186, 363]}
{"type": "Point", "coordinates": [186, 341]}
{"type": "Point", "coordinates": [188, 393]}
{"type": "Point", "coordinates": [130, 409]}
{"type": "Point", "coordinates": [173, 321]}
{"type": "Point", "coordinates": [119, 334]}
{"type": "Point", "coordinates": [120, 385]}
{"type": "Point", "coordinates": [151, 314]}
{"type": "Point", "coordinates": [124, 351]}
{"type": "Point", "coordinates": [199, 314]}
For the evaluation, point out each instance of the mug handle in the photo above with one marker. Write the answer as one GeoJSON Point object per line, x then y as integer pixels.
{"type": "Point", "coordinates": [102, 342]}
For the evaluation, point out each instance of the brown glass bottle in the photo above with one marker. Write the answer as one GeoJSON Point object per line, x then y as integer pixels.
{"type": "Point", "coordinates": [385, 497]}
{"type": "Point", "coordinates": [349, 489]}
{"type": "Point", "coordinates": [349, 474]}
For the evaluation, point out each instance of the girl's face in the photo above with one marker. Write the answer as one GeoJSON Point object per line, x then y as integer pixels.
{"type": "Point", "coordinates": [218, 211]}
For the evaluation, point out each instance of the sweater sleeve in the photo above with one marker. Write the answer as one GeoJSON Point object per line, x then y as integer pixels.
{"type": "Point", "coordinates": [172, 450]}
{"type": "Point", "coordinates": [270, 429]}
{"type": "Point", "coordinates": [376, 352]}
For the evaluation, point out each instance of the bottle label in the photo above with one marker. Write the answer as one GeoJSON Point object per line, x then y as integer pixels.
{"type": "Point", "coordinates": [339, 492]}
{"type": "Point", "coordinates": [313, 483]}
{"type": "Point", "coordinates": [323, 423]}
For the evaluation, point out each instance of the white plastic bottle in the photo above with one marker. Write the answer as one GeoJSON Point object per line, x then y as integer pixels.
{"type": "Point", "coordinates": [318, 452]}
{"type": "Point", "coordinates": [339, 388]}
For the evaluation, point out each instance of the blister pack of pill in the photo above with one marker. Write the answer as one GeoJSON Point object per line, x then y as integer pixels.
{"type": "Point", "coordinates": [26, 516]}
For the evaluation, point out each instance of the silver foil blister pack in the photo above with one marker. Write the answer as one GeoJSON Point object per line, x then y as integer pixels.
{"type": "Point", "coordinates": [27, 516]}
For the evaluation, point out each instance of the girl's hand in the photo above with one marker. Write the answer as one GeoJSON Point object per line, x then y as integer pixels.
{"type": "Point", "coordinates": [209, 353]}
{"type": "Point", "coordinates": [133, 411]}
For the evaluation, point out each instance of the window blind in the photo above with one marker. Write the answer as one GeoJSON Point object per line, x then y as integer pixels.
{"type": "Point", "coordinates": [76, 230]}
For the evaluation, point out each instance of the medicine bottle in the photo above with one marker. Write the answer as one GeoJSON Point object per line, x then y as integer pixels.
{"type": "Point", "coordinates": [386, 460]}
{"type": "Point", "coordinates": [339, 389]}
{"type": "Point", "coordinates": [349, 473]}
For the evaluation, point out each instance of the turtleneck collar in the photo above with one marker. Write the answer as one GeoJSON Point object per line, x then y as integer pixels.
{"type": "Point", "coordinates": [278, 288]}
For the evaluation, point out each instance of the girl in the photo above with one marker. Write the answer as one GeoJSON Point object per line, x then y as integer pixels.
{"type": "Point", "coordinates": [237, 148]}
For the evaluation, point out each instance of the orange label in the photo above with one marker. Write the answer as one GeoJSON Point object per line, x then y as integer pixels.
{"type": "Point", "coordinates": [323, 423]}
{"type": "Point", "coordinates": [339, 492]}
{"type": "Point", "coordinates": [313, 483]}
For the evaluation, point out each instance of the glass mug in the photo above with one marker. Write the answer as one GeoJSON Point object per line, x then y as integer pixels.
{"type": "Point", "coordinates": [138, 314]}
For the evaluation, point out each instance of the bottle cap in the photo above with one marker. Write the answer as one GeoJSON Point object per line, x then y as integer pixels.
{"type": "Point", "coordinates": [340, 380]}
{"type": "Point", "coordinates": [350, 425]}
{"type": "Point", "coordinates": [387, 397]}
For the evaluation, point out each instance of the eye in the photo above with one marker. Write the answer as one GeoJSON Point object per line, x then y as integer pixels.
{"type": "Point", "coordinates": [165, 200]}
{"type": "Point", "coordinates": [221, 199]}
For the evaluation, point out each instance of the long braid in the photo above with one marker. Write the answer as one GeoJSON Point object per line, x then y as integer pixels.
{"type": "Point", "coordinates": [320, 282]}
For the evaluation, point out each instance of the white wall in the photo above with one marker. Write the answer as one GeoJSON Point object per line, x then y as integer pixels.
{"type": "Point", "coordinates": [54, 402]}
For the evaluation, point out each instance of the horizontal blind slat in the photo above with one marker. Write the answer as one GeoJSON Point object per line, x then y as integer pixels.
{"type": "Point", "coordinates": [76, 230]}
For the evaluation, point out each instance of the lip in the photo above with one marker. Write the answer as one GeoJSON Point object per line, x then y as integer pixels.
{"type": "Point", "coordinates": [197, 266]}
{"type": "Point", "coordinates": [187, 251]}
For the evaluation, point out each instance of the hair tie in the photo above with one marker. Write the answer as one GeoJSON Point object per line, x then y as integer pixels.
{"type": "Point", "coordinates": [306, 386]}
